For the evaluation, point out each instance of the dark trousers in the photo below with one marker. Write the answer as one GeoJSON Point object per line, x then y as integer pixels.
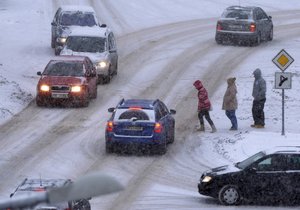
{"type": "Point", "coordinates": [207, 117]}
{"type": "Point", "coordinates": [258, 112]}
{"type": "Point", "coordinates": [231, 115]}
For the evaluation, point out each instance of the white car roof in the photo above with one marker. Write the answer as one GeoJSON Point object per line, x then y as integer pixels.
{"type": "Point", "coordinates": [90, 31]}
{"type": "Point", "coordinates": [82, 8]}
{"type": "Point", "coordinates": [284, 149]}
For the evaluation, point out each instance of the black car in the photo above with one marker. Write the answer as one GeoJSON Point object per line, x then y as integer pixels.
{"type": "Point", "coordinates": [272, 175]}
{"type": "Point", "coordinates": [140, 125]}
{"type": "Point", "coordinates": [30, 186]}
{"type": "Point", "coordinates": [248, 25]}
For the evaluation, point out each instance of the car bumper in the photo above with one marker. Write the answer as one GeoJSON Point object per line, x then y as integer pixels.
{"type": "Point", "coordinates": [236, 36]}
{"type": "Point", "coordinates": [207, 190]}
{"type": "Point", "coordinates": [47, 99]}
{"type": "Point", "coordinates": [102, 71]}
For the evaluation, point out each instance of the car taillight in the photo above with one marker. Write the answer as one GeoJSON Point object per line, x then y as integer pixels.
{"type": "Point", "coordinates": [109, 126]}
{"type": "Point", "coordinates": [252, 27]}
{"type": "Point", "coordinates": [219, 27]}
{"type": "Point", "coordinates": [158, 128]}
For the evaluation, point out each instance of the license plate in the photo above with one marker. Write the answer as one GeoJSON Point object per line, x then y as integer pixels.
{"type": "Point", "coordinates": [60, 95]}
{"type": "Point", "coordinates": [135, 128]}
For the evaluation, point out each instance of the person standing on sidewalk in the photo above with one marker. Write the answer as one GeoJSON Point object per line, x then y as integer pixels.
{"type": "Point", "coordinates": [259, 99]}
{"type": "Point", "coordinates": [204, 106]}
{"type": "Point", "coordinates": [230, 102]}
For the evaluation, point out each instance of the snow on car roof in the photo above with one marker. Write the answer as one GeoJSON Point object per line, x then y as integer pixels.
{"type": "Point", "coordinates": [68, 58]}
{"type": "Point", "coordinates": [81, 8]}
{"type": "Point", "coordinates": [90, 31]}
{"type": "Point", "coordinates": [33, 184]}
{"type": "Point", "coordinates": [284, 149]}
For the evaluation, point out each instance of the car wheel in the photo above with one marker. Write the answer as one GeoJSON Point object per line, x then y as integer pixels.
{"type": "Point", "coordinates": [109, 76]}
{"type": "Point", "coordinates": [39, 102]}
{"type": "Point", "coordinates": [100, 79]}
{"type": "Point", "coordinates": [172, 138]}
{"type": "Point", "coordinates": [257, 40]}
{"type": "Point", "coordinates": [109, 148]}
{"type": "Point", "coordinates": [52, 42]}
{"type": "Point", "coordinates": [219, 41]}
{"type": "Point", "coordinates": [270, 38]}
{"type": "Point", "coordinates": [116, 69]}
{"type": "Point", "coordinates": [57, 51]}
{"type": "Point", "coordinates": [162, 149]}
{"type": "Point", "coordinates": [86, 100]}
{"type": "Point", "coordinates": [95, 93]}
{"type": "Point", "coordinates": [229, 195]}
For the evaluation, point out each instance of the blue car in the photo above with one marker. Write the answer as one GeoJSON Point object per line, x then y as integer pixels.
{"type": "Point", "coordinates": [139, 125]}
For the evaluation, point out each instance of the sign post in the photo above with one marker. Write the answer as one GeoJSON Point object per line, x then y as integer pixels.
{"type": "Point", "coordinates": [283, 80]}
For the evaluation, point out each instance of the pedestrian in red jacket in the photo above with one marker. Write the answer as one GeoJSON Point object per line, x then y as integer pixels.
{"type": "Point", "coordinates": [204, 106]}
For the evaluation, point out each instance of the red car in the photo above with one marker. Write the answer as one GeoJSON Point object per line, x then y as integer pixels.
{"type": "Point", "coordinates": [67, 79]}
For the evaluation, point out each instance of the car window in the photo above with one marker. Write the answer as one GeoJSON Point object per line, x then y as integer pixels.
{"type": "Point", "coordinates": [77, 18]}
{"type": "Point", "coordinates": [138, 114]}
{"type": "Point", "coordinates": [245, 163]}
{"type": "Point", "coordinates": [86, 44]}
{"type": "Point", "coordinates": [293, 162]}
{"type": "Point", "coordinates": [58, 68]}
{"type": "Point", "coordinates": [272, 163]}
{"type": "Point", "coordinates": [261, 14]}
{"type": "Point", "coordinates": [238, 14]}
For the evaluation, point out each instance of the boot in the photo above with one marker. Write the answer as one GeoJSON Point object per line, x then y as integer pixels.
{"type": "Point", "coordinates": [201, 128]}
{"type": "Point", "coordinates": [213, 129]}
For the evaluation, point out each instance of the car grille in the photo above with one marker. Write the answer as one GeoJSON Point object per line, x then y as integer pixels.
{"type": "Point", "coordinates": [60, 88]}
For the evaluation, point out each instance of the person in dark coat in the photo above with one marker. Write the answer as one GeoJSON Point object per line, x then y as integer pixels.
{"type": "Point", "coordinates": [204, 106]}
{"type": "Point", "coordinates": [230, 102]}
{"type": "Point", "coordinates": [259, 99]}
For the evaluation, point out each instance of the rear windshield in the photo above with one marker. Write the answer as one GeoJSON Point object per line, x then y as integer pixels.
{"type": "Point", "coordinates": [64, 68]}
{"type": "Point", "coordinates": [135, 114]}
{"type": "Point", "coordinates": [78, 19]}
{"type": "Point", "coordinates": [237, 14]}
{"type": "Point", "coordinates": [86, 44]}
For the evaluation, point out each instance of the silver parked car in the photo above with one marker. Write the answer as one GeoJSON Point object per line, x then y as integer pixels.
{"type": "Point", "coordinates": [249, 25]}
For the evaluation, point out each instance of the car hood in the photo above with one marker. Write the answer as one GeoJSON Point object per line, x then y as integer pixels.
{"type": "Point", "coordinates": [61, 80]}
{"type": "Point", "coordinates": [95, 57]}
{"type": "Point", "coordinates": [223, 170]}
{"type": "Point", "coordinates": [65, 31]}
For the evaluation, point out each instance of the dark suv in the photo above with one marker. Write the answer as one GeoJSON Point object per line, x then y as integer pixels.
{"type": "Point", "coordinates": [248, 25]}
{"type": "Point", "coordinates": [272, 175]}
{"type": "Point", "coordinates": [69, 17]}
{"type": "Point", "coordinates": [140, 125]}
{"type": "Point", "coordinates": [30, 186]}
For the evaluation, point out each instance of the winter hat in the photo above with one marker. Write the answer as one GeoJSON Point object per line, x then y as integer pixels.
{"type": "Point", "coordinates": [231, 80]}
{"type": "Point", "coordinates": [198, 84]}
{"type": "Point", "coordinates": [257, 73]}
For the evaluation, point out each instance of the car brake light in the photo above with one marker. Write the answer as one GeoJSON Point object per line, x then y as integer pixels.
{"type": "Point", "coordinates": [135, 108]}
{"type": "Point", "coordinates": [157, 128]}
{"type": "Point", "coordinates": [219, 27]}
{"type": "Point", "coordinates": [109, 126]}
{"type": "Point", "coordinates": [252, 27]}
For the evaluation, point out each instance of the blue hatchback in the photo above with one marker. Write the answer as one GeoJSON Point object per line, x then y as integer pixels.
{"type": "Point", "coordinates": [140, 125]}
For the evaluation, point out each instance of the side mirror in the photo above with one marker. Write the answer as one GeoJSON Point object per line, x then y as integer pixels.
{"type": "Point", "coordinates": [53, 23]}
{"type": "Point", "coordinates": [39, 73]}
{"type": "Point", "coordinates": [111, 109]}
{"type": "Point", "coordinates": [172, 111]}
{"type": "Point", "coordinates": [252, 170]}
{"type": "Point", "coordinates": [103, 25]}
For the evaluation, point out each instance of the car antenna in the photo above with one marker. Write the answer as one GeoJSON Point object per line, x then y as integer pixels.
{"type": "Point", "coordinates": [41, 181]}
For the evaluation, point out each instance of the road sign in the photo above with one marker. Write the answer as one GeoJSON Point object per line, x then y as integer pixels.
{"type": "Point", "coordinates": [283, 60]}
{"type": "Point", "coordinates": [283, 80]}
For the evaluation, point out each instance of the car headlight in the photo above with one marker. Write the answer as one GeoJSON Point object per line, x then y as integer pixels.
{"type": "Point", "coordinates": [62, 40]}
{"type": "Point", "coordinates": [207, 179]}
{"type": "Point", "coordinates": [44, 88]}
{"type": "Point", "coordinates": [75, 89]}
{"type": "Point", "coordinates": [102, 64]}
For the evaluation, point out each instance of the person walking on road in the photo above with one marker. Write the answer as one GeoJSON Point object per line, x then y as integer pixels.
{"type": "Point", "coordinates": [230, 102]}
{"type": "Point", "coordinates": [204, 106]}
{"type": "Point", "coordinates": [259, 99]}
